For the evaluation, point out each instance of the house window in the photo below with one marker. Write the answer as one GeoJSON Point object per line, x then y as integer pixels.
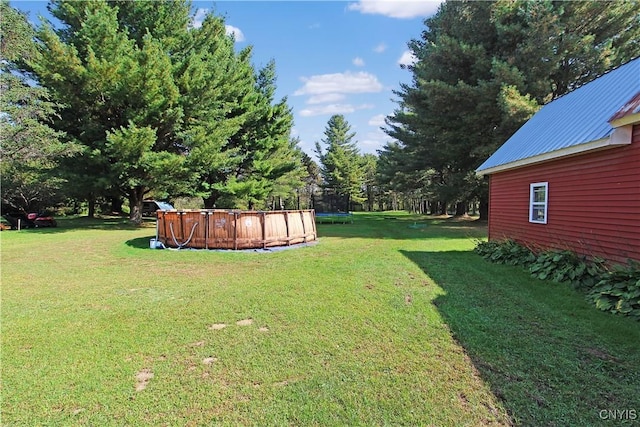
{"type": "Point", "coordinates": [538, 201]}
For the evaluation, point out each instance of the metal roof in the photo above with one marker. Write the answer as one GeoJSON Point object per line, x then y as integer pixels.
{"type": "Point", "coordinates": [579, 117]}
{"type": "Point", "coordinates": [631, 107]}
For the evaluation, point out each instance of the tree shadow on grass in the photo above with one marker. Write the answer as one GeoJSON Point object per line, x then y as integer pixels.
{"type": "Point", "coordinates": [543, 349]}
{"type": "Point", "coordinates": [66, 224]}
{"type": "Point", "coordinates": [139, 242]}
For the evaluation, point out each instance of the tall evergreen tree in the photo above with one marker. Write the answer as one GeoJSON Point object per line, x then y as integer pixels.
{"type": "Point", "coordinates": [219, 98]}
{"type": "Point", "coordinates": [285, 187]}
{"type": "Point", "coordinates": [161, 106]}
{"type": "Point", "coordinates": [267, 151]}
{"type": "Point", "coordinates": [370, 187]}
{"type": "Point", "coordinates": [340, 164]}
{"type": "Point", "coordinates": [30, 149]}
{"type": "Point", "coordinates": [113, 87]}
{"type": "Point", "coordinates": [312, 180]}
{"type": "Point", "coordinates": [485, 67]}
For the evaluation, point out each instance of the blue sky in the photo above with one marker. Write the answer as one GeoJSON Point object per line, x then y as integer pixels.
{"type": "Point", "coordinates": [332, 57]}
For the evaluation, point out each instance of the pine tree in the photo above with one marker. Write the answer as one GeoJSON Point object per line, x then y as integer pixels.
{"type": "Point", "coordinates": [312, 180]}
{"type": "Point", "coordinates": [30, 149]}
{"type": "Point", "coordinates": [289, 181]}
{"type": "Point", "coordinates": [112, 85]}
{"type": "Point", "coordinates": [340, 164]}
{"type": "Point", "coordinates": [218, 99]}
{"type": "Point", "coordinates": [370, 189]}
{"type": "Point", "coordinates": [161, 106]}
{"type": "Point", "coordinates": [484, 68]}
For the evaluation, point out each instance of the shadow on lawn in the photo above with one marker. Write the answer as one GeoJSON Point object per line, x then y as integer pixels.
{"type": "Point", "coordinates": [139, 242]}
{"type": "Point", "coordinates": [548, 354]}
{"type": "Point", "coordinates": [66, 224]}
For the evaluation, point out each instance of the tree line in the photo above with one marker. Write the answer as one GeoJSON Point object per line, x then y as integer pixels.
{"type": "Point", "coordinates": [131, 100]}
{"type": "Point", "coordinates": [125, 100]}
{"type": "Point", "coordinates": [482, 69]}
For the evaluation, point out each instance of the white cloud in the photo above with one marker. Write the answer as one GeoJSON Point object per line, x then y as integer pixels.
{"type": "Point", "coordinates": [380, 48]}
{"type": "Point", "coordinates": [407, 58]}
{"type": "Point", "coordinates": [333, 109]}
{"type": "Point", "coordinates": [236, 32]}
{"type": "Point", "coordinates": [201, 14]}
{"type": "Point", "coordinates": [325, 98]}
{"type": "Point", "coordinates": [373, 141]}
{"type": "Point", "coordinates": [336, 83]}
{"type": "Point", "coordinates": [198, 18]}
{"type": "Point", "coordinates": [370, 145]}
{"type": "Point", "coordinates": [327, 109]}
{"type": "Point", "coordinates": [377, 120]}
{"type": "Point", "coordinates": [358, 62]}
{"type": "Point", "coordinates": [397, 9]}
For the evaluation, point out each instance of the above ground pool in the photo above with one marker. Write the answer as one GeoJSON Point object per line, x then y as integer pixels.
{"type": "Point", "coordinates": [234, 229]}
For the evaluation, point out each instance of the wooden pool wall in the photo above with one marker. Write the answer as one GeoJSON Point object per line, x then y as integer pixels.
{"type": "Point", "coordinates": [234, 229]}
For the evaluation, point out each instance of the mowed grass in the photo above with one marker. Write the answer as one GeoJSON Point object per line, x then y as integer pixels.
{"type": "Point", "coordinates": [391, 320]}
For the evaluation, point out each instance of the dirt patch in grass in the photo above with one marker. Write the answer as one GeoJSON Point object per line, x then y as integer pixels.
{"type": "Point", "coordinates": [209, 360]}
{"type": "Point", "coordinates": [217, 326]}
{"type": "Point", "coordinates": [142, 379]}
{"type": "Point", "coordinates": [245, 322]}
{"type": "Point", "coordinates": [600, 354]}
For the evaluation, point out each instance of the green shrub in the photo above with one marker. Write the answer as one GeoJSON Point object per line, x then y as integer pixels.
{"type": "Point", "coordinates": [567, 266]}
{"type": "Point", "coordinates": [505, 252]}
{"type": "Point", "coordinates": [618, 291]}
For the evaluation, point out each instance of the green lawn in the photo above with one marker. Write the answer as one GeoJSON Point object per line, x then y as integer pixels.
{"type": "Point", "coordinates": [391, 320]}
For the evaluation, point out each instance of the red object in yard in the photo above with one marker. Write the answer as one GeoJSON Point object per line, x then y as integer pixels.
{"type": "Point", "coordinates": [569, 178]}
{"type": "Point", "coordinates": [593, 206]}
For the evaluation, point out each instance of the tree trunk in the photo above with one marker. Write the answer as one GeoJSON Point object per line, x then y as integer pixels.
{"type": "Point", "coordinates": [484, 210]}
{"type": "Point", "coordinates": [136, 195]}
{"type": "Point", "coordinates": [461, 209]}
{"type": "Point", "coordinates": [443, 208]}
{"type": "Point", "coordinates": [91, 202]}
{"type": "Point", "coordinates": [116, 205]}
{"type": "Point", "coordinates": [210, 202]}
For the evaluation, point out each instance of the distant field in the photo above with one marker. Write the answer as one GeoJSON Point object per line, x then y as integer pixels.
{"type": "Point", "coordinates": [391, 320]}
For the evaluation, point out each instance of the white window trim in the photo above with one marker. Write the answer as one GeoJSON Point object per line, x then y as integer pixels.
{"type": "Point", "coordinates": [533, 204]}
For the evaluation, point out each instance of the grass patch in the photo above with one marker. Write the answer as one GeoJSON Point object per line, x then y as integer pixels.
{"type": "Point", "coordinates": [380, 323]}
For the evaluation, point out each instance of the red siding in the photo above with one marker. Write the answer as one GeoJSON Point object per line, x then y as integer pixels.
{"type": "Point", "coordinates": [593, 203]}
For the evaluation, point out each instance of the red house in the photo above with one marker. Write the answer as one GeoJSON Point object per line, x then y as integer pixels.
{"type": "Point", "coordinates": [569, 178]}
